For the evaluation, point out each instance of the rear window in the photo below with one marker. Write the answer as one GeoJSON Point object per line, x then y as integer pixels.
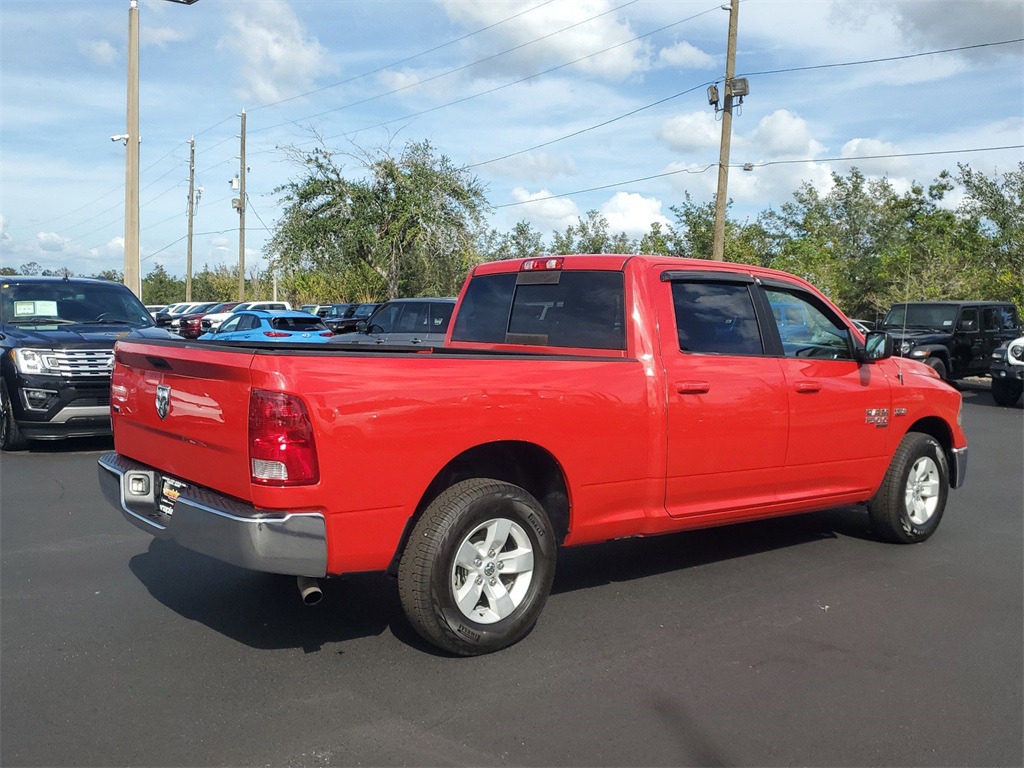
{"type": "Point", "coordinates": [583, 309]}
{"type": "Point", "coordinates": [310, 323]}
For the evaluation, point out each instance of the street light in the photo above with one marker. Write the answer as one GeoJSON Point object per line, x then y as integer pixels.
{"type": "Point", "coordinates": [132, 265]}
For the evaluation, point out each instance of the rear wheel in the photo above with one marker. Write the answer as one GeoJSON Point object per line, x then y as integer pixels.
{"type": "Point", "coordinates": [10, 436]}
{"type": "Point", "coordinates": [1006, 392]}
{"type": "Point", "coordinates": [478, 567]}
{"type": "Point", "coordinates": [909, 504]}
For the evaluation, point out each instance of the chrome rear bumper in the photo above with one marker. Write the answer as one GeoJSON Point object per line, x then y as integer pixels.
{"type": "Point", "coordinates": [293, 543]}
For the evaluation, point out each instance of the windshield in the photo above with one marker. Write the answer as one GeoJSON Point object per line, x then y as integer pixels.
{"type": "Point", "coordinates": [364, 310]}
{"type": "Point", "coordinates": [71, 303]}
{"type": "Point", "coordinates": [937, 316]}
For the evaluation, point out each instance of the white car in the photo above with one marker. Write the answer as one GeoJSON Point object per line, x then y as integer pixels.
{"type": "Point", "coordinates": [1007, 372]}
{"type": "Point", "coordinates": [212, 322]}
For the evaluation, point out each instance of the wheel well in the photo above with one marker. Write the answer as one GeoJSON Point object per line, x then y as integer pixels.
{"type": "Point", "coordinates": [524, 464]}
{"type": "Point", "coordinates": [939, 429]}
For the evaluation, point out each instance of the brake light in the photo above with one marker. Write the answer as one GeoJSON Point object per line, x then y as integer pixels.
{"type": "Point", "coordinates": [327, 333]}
{"type": "Point", "coordinates": [281, 446]}
{"type": "Point", "coordinates": [537, 265]}
{"type": "Point", "coordinates": [276, 334]}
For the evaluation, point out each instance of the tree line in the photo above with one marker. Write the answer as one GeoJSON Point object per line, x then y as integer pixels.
{"type": "Point", "coordinates": [363, 225]}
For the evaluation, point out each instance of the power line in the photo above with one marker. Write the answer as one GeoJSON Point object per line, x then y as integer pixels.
{"type": "Point", "coordinates": [756, 165]}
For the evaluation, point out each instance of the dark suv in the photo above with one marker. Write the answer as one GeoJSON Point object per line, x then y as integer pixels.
{"type": "Point", "coordinates": [57, 337]}
{"type": "Point", "coordinates": [956, 338]}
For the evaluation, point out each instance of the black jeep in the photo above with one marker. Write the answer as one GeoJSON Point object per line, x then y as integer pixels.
{"type": "Point", "coordinates": [956, 338]}
{"type": "Point", "coordinates": [57, 340]}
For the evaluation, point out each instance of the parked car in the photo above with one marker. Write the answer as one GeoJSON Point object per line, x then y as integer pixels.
{"type": "Point", "coordinates": [956, 338]}
{"type": "Point", "coordinates": [57, 340]}
{"type": "Point", "coordinates": [154, 308]}
{"type": "Point", "coordinates": [1007, 371]}
{"type": "Point", "coordinates": [405, 321]}
{"type": "Point", "coordinates": [349, 322]}
{"type": "Point", "coordinates": [164, 316]}
{"type": "Point", "coordinates": [213, 320]}
{"type": "Point", "coordinates": [190, 324]}
{"type": "Point", "coordinates": [337, 311]}
{"type": "Point", "coordinates": [179, 321]}
{"type": "Point", "coordinates": [270, 325]}
{"type": "Point", "coordinates": [310, 308]}
{"type": "Point", "coordinates": [578, 399]}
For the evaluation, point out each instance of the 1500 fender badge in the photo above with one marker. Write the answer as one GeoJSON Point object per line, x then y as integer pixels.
{"type": "Point", "coordinates": [163, 400]}
{"type": "Point", "coordinates": [877, 416]}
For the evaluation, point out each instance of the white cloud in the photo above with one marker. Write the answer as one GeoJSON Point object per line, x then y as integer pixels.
{"type": "Point", "coordinates": [161, 36]}
{"type": "Point", "coordinates": [535, 167]}
{"type": "Point", "coordinates": [545, 213]}
{"type": "Point", "coordinates": [691, 132]}
{"type": "Point", "coordinates": [51, 242]}
{"type": "Point", "coordinates": [99, 52]}
{"type": "Point", "coordinates": [683, 54]}
{"type": "Point", "coordinates": [278, 59]}
{"type": "Point", "coordinates": [553, 34]}
{"type": "Point", "coordinates": [785, 134]}
{"type": "Point", "coordinates": [632, 213]}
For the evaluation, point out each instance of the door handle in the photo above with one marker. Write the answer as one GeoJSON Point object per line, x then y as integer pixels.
{"type": "Point", "coordinates": [808, 387]}
{"type": "Point", "coordinates": [415, 341]}
{"type": "Point", "coordinates": [692, 387]}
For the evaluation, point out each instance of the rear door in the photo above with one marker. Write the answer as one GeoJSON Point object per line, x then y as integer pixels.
{"type": "Point", "coordinates": [412, 324]}
{"type": "Point", "coordinates": [727, 403]}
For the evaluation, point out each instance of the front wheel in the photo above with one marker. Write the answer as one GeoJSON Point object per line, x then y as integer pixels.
{"type": "Point", "coordinates": [11, 438]}
{"type": "Point", "coordinates": [909, 504]}
{"type": "Point", "coordinates": [478, 568]}
{"type": "Point", "coordinates": [938, 365]}
{"type": "Point", "coordinates": [1006, 393]}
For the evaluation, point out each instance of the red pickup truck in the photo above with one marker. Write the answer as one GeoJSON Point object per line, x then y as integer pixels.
{"type": "Point", "coordinates": [577, 399]}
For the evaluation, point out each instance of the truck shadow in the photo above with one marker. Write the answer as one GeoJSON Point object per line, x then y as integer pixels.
{"type": "Point", "coordinates": [264, 611]}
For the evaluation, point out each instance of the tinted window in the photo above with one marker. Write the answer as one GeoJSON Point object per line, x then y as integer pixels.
{"type": "Point", "coordinates": [716, 317]}
{"type": "Point", "coordinates": [969, 320]}
{"type": "Point", "coordinates": [1008, 316]}
{"type": "Point", "coordinates": [231, 324]}
{"type": "Point", "coordinates": [992, 318]}
{"type": "Point", "coordinates": [297, 324]}
{"type": "Point", "coordinates": [577, 309]}
{"type": "Point", "coordinates": [440, 314]}
{"type": "Point", "coordinates": [248, 322]}
{"type": "Point", "coordinates": [821, 334]}
{"type": "Point", "coordinates": [385, 319]}
{"type": "Point", "coordinates": [413, 318]}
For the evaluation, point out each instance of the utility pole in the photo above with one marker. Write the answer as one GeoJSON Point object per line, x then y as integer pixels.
{"type": "Point", "coordinates": [241, 221]}
{"type": "Point", "coordinates": [191, 213]}
{"type": "Point", "coordinates": [132, 267]}
{"type": "Point", "coordinates": [718, 249]}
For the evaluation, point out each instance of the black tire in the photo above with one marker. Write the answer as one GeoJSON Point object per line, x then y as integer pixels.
{"type": "Point", "coordinates": [939, 366]}
{"type": "Point", "coordinates": [1006, 393]}
{"type": "Point", "coordinates": [499, 604]}
{"type": "Point", "coordinates": [11, 438]}
{"type": "Point", "coordinates": [908, 506]}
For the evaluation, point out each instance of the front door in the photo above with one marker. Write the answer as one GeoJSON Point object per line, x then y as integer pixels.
{"type": "Point", "coordinates": [839, 409]}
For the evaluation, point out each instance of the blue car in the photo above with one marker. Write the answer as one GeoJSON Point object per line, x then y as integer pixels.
{"type": "Point", "coordinates": [271, 325]}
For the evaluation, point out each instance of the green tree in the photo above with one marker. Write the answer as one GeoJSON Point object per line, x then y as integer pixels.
{"type": "Point", "coordinates": [158, 287]}
{"type": "Point", "coordinates": [403, 225]}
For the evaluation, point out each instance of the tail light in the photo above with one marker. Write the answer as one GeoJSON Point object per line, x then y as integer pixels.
{"type": "Point", "coordinates": [281, 446]}
{"type": "Point", "coordinates": [327, 333]}
{"type": "Point", "coordinates": [276, 334]}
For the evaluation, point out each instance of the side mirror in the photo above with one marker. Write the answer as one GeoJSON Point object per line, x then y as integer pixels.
{"type": "Point", "coordinates": [878, 345]}
{"type": "Point", "coordinates": [361, 326]}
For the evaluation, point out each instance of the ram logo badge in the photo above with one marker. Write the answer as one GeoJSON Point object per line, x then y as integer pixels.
{"type": "Point", "coordinates": [877, 416]}
{"type": "Point", "coordinates": [163, 400]}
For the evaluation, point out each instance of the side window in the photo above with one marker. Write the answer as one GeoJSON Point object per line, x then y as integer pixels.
{"type": "Point", "coordinates": [1008, 318]}
{"type": "Point", "coordinates": [969, 320]}
{"type": "Point", "coordinates": [248, 322]}
{"type": "Point", "coordinates": [483, 316]}
{"type": "Point", "coordinates": [413, 318]}
{"type": "Point", "coordinates": [818, 332]}
{"type": "Point", "coordinates": [716, 318]}
{"type": "Point", "coordinates": [440, 314]}
{"type": "Point", "coordinates": [385, 320]}
{"type": "Point", "coordinates": [231, 324]}
{"type": "Point", "coordinates": [992, 319]}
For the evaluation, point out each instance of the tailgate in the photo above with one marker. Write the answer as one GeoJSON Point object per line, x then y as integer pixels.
{"type": "Point", "coordinates": [185, 411]}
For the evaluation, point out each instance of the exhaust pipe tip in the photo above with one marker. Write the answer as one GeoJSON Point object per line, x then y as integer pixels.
{"type": "Point", "coordinates": [309, 590]}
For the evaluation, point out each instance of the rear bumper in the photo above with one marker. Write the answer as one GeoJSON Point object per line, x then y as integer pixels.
{"type": "Point", "coordinates": [293, 543]}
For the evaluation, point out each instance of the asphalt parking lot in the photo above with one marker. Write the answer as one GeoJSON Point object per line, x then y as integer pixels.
{"type": "Point", "coordinates": [799, 641]}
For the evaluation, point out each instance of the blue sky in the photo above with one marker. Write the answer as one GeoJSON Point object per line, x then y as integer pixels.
{"type": "Point", "coordinates": [614, 91]}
